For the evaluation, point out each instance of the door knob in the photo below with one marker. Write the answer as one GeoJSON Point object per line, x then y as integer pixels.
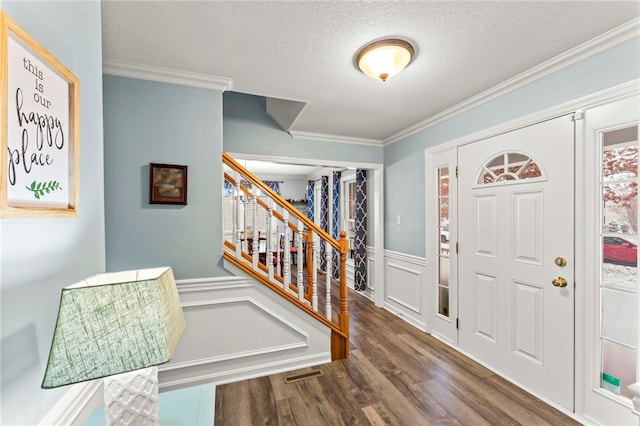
{"type": "Point", "coordinates": [561, 261]}
{"type": "Point", "coordinates": [559, 282]}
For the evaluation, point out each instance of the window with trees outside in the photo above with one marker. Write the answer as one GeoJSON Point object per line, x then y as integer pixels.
{"type": "Point", "coordinates": [443, 244]}
{"type": "Point", "coordinates": [619, 266]}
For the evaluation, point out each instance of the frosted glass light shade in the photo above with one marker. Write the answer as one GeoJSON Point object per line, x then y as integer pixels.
{"type": "Point", "coordinates": [114, 323]}
{"type": "Point", "coordinates": [385, 58]}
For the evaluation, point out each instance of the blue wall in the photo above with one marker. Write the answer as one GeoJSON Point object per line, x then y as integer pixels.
{"type": "Point", "coordinates": [249, 130]}
{"type": "Point", "coordinates": [404, 160]}
{"type": "Point", "coordinates": [40, 256]}
{"type": "Point", "coordinates": [148, 122]}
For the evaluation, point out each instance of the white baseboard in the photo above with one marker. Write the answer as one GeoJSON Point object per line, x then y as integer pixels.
{"type": "Point", "coordinates": [231, 376]}
{"type": "Point", "coordinates": [410, 319]}
{"type": "Point", "coordinates": [553, 404]}
{"type": "Point", "coordinates": [76, 405]}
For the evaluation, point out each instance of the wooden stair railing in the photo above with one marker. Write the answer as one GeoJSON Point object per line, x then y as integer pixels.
{"type": "Point", "coordinates": [282, 238]}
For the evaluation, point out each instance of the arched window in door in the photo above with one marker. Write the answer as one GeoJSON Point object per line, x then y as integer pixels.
{"type": "Point", "coordinates": [509, 166]}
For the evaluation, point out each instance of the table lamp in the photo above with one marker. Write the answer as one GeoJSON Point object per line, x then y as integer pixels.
{"type": "Point", "coordinates": [118, 326]}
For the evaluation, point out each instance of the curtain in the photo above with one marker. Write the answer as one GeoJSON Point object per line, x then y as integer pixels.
{"type": "Point", "coordinates": [335, 225]}
{"type": "Point", "coordinates": [360, 252]}
{"type": "Point", "coordinates": [310, 191]}
{"type": "Point", "coordinates": [228, 189]}
{"type": "Point", "coordinates": [246, 184]}
{"type": "Point", "coordinates": [324, 218]}
{"type": "Point", "coordinates": [273, 185]}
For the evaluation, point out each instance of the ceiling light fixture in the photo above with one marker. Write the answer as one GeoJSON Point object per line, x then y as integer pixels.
{"type": "Point", "coordinates": [383, 59]}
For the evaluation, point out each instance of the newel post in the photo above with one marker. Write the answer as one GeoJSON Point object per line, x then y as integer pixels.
{"type": "Point", "coordinates": [340, 344]}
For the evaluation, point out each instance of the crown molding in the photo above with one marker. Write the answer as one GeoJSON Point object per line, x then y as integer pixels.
{"type": "Point", "coordinates": [323, 137]}
{"type": "Point", "coordinates": [165, 75]}
{"type": "Point", "coordinates": [592, 47]}
{"type": "Point", "coordinates": [593, 100]}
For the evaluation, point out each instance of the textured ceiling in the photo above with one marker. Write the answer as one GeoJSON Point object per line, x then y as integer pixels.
{"type": "Point", "coordinates": [304, 50]}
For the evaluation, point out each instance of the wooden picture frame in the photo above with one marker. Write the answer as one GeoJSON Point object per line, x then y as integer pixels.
{"type": "Point", "coordinates": [39, 130]}
{"type": "Point", "coordinates": [167, 184]}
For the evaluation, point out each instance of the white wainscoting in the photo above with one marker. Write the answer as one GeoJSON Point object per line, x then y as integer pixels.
{"type": "Point", "coordinates": [236, 329]}
{"type": "Point", "coordinates": [405, 287]}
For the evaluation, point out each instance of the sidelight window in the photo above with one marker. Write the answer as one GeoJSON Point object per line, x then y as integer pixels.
{"type": "Point", "coordinates": [619, 266]}
{"type": "Point", "coordinates": [443, 244]}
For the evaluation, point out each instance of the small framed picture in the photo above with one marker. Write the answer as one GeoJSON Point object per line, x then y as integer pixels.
{"type": "Point", "coordinates": [167, 184]}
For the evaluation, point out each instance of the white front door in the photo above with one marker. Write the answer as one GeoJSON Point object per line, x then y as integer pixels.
{"type": "Point", "coordinates": [515, 221]}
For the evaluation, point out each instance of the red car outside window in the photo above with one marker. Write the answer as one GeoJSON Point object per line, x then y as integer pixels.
{"type": "Point", "coordinates": [620, 250]}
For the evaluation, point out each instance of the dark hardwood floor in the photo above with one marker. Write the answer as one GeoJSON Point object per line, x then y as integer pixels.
{"type": "Point", "coordinates": [396, 375]}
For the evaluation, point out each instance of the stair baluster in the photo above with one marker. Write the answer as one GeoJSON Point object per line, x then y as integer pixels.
{"type": "Point", "coordinates": [314, 275]}
{"type": "Point", "coordinates": [271, 264]}
{"type": "Point", "coordinates": [300, 261]}
{"type": "Point", "coordinates": [310, 264]}
{"type": "Point", "coordinates": [255, 245]}
{"type": "Point", "coordinates": [236, 205]}
{"type": "Point", "coordinates": [286, 255]}
{"type": "Point", "coordinates": [327, 255]}
{"type": "Point", "coordinates": [269, 245]}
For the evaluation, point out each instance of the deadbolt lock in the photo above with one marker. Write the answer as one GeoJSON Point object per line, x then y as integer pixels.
{"type": "Point", "coordinates": [561, 261]}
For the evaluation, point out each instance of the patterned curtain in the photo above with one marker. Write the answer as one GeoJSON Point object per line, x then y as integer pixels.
{"type": "Point", "coordinates": [246, 184]}
{"type": "Point", "coordinates": [273, 185]}
{"type": "Point", "coordinates": [310, 193]}
{"type": "Point", "coordinates": [360, 252]}
{"type": "Point", "coordinates": [335, 223]}
{"type": "Point", "coordinates": [228, 189]}
{"type": "Point", "coordinates": [324, 218]}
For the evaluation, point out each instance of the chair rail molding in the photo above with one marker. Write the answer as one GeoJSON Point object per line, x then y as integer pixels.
{"type": "Point", "coordinates": [409, 258]}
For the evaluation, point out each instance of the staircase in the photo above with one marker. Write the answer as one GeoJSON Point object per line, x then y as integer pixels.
{"type": "Point", "coordinates": [273, 242]}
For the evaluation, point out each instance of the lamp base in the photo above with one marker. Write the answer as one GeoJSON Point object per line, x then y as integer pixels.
{"type": "Point", "coordinates": [132, 398]}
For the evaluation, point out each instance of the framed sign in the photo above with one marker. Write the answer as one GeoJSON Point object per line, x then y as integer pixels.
{"type": "Point", "coordinates": [167, 184]}
{"type": "Point", "coordinates": [39, 129]}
